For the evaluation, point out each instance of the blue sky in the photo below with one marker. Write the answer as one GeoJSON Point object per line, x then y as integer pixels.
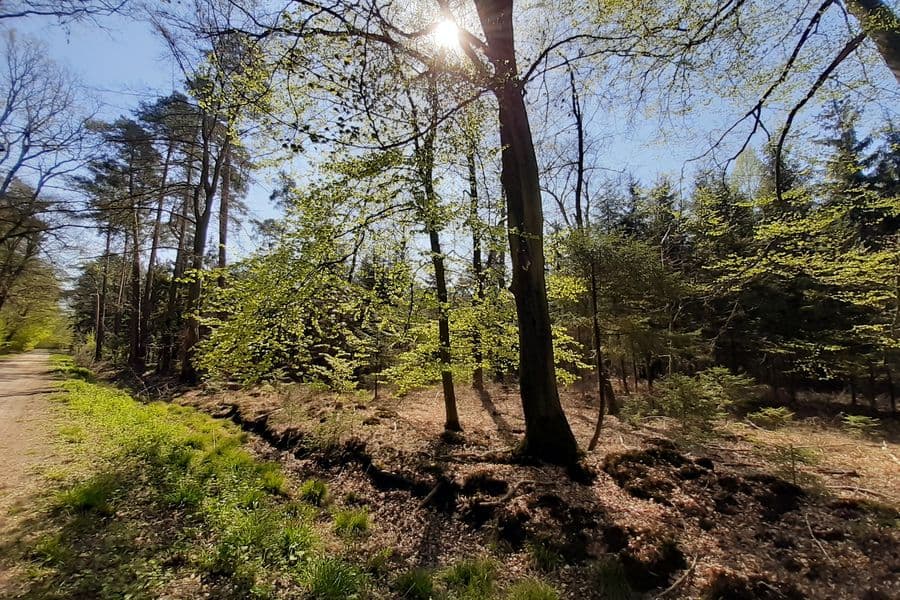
{"type": "Point", "coordinates": [125, 63]}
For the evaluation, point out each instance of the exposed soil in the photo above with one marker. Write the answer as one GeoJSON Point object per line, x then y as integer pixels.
{"type": "Point", "coordinates": [25, 439]}
{"type": "Point", "coordinates": [711, 520]}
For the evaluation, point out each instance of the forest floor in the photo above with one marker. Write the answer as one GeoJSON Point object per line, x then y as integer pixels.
{"type": "Point", "coordinates": [808, 510]}
{"type": "Point", "coordinates": [334, 496]}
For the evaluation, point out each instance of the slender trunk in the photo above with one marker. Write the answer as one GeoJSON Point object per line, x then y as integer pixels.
{"type": "Point", "coordinates": [477, 269]}
{"type": "Point", "coordinates": [852, 390]}
{"type": "Point", "coordinates": [123, 276]}
{"type": "Point", "coordinates": [873, 389]}
{"type": "Point", "coordinates": [136, 358]}
{"type": "Point", "coordinates": [223, 219]}
{"type": "Point", "coordinates": [883, 27]}
{"type": "Point", "coordinates": [547, 432]}
{"type": "Point", "coordinates": [146, 305]}
{"type": "Point", "coordinates": [100, 325]}
{"type": "Point", "coordinates": [892, 393]}
{"type": "Point", "coordinates": [205, 189]}
{"type": "Point", "coordinates": [634, 369]}
{"type": "Point", "coordinates": [437, 260]}
{"type": "Point", "coordinates": [624, 373]}
{"type": "Point", "coordinates": [170, 325]}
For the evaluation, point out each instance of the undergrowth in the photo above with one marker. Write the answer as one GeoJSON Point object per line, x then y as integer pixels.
{"type": "Point", "coordinates": [168, 498]}
{"type": "Point", "coordinates": [182, 483]}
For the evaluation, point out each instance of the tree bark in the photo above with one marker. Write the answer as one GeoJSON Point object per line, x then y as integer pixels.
{"type": "Point", "coordinates": [207, 184]}
{"type": "Point", "coordinates": [547, 432]}
{"type": "Point", "coordinates": [883, 27]}
{"type": "Point", "coordinates": [146, 305]}
{"type": "Point", "coordinates": [100, 325]}
{"type": "Point", "coordinates": [477, 269]}
{"type": "Point", "coordinates": [223, 219]}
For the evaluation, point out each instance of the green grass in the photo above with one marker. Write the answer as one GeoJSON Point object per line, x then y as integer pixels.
{"type": "Point", "coordinates": [164, 488]}
{"type": "Point", "coordinates": [531, 589]}
{"type": "Point", "coordinates": [472, 579]}
{"type": "Point", "coordinates": [544, 556]}
{"type": "Point", "coordinates": [415, 584]}
{"type": "Point", "coordinates": [351, 522]}
{"type": "Point", "coordinates": [314, 491]}
{"type": "Point", "coordinates": [95, 494]}
{"type": "Point", "coordinates": [333, 579]}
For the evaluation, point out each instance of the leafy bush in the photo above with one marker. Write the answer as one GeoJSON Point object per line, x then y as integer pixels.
{"type": "Point", "coordinates": [860, 425]}
{"type": "Point", "coordinates": [771, 418]}
{"type": "Point", "coordinates": [416, 584]}
{"type": "Point", "coordinates": [532, 590]}
{"type": "Point", "coordinates": [351, 522]}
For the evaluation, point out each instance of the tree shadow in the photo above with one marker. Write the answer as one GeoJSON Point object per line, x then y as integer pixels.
{"type": "Point", "coordinates": [504, 429]}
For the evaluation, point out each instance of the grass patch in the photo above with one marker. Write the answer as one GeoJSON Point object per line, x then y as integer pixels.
{"type": "Point", "coordinates": [415, 584]}
{"type": "Point", "coordinates": [94, 494]}
{"type": "Point", "coordinates": [332, 579]}
{"type": "Point", "coordinates": [544, 556]}
{"type": "Point", "coordinates": [532, 589]}
{"type": "Point", "coordinates": [186, 498]}
{"type": "Point", "coordinates": [471, 579]}
{"type": "Point", "coordinates": [352, 522]}
{"type": "Point", "coordinates": [771, 418]}
{"type": "Point", "coordinates": [314, 491]}
{"type": "Point", "coordinates": [608, 575]}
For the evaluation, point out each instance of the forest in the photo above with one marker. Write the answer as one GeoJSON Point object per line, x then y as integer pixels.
{"type": "Point", "coordinates": [450, 299]}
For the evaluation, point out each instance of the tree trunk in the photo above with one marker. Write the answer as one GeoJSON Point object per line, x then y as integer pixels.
{"type": "Point", "coordinates": [100, 325]}
{"type": "Point", "coordinates": [873, 389]}
{"type": "Point", "coordinates": [146, 305]}
{"type": "Point", "coordinates": [624, 373]}
{"type": "Point", "coordinates": [477, 269]}
{"type": "Point", "coordinates": [892, 393]}
{"type": "Point", "coordinates": [223, 219]}
{"type": "Point", "coordinates": [451, 422]}
{"type": "Point", "coordinates": [136, 358]}
{"type": "Point", "coordinates": [167, 352]}
{"type": "Point", "coordinates": [120, 297]}
{"type": "Point", "coordinates": [883, 27]}
{"type": "Point", "coordinates": [547, 432]}
{"type": "Point", "coordinates": [207, 184]}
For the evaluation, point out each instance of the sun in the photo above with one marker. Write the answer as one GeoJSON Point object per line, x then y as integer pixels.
{"type": "Point", "coordinates": [446, 34]}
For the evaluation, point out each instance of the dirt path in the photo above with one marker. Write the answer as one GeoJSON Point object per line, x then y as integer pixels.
{"type": "Point", "coordinates": [25, 381]}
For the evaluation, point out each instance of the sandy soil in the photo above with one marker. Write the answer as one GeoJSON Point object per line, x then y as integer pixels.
{"type": "Point", "coordinates": [25, 382]}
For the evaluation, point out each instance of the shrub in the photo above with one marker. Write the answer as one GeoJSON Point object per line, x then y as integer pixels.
{"type": "Point", "coordinates": [860, 425]}
{"type": "Point", "coordinates": [472, 578]}
{"type": "Point", "coordinates": [351, 522]}
{"type": "Point", "coordinates": [416, 584]}
{"type": "Point", "coordinates": [699, 400]}
{"type": "Point", "coordinates": [532, 590]}
{"type": "Point", "coordinates": [314, 491]}
{"type": "Point", "coordinates": [332, 579]}
{"type": "Point", "coordinates": [771, 418]}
